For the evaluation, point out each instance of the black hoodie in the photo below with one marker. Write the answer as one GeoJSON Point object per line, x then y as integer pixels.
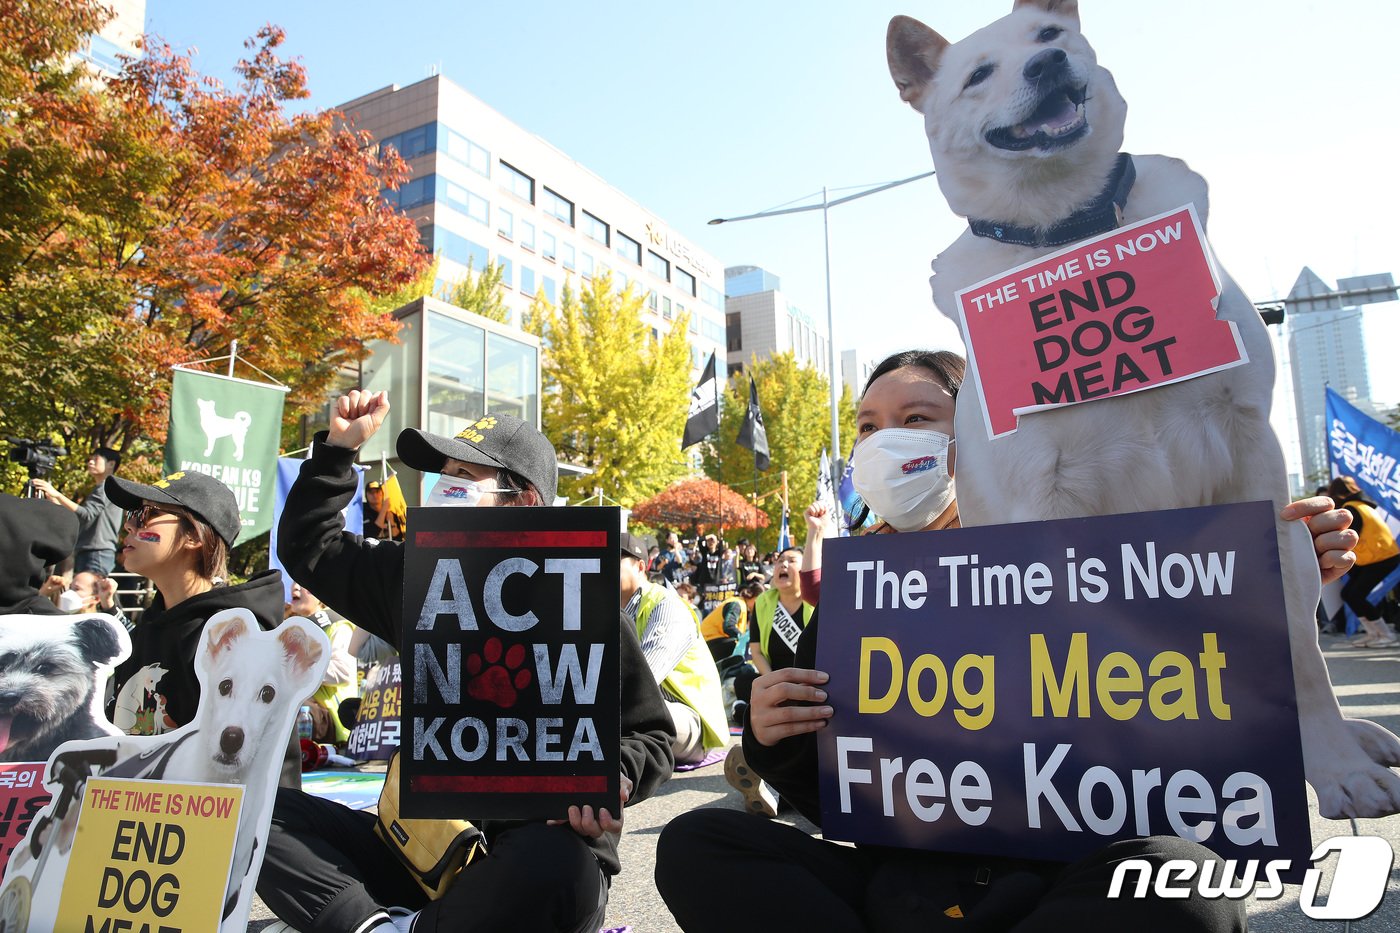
{"type": "Point", "coordinates": [33, 534]}
{"type": "Point", "coordinates": [170, 638]}
{"type": "Point", "coordinates": [363, 580]}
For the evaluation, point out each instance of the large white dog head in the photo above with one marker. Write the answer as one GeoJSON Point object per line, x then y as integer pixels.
{"type": "Point", "coordinates": [251, 682]}
{"type": "Point", "coordinates": [1023, 123]}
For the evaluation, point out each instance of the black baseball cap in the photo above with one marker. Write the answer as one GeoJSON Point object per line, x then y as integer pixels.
{"type": "Point", "coordinates": [493, 440]}
{"type": "Point", "coordinates": [633, 546]}
{"type": "Point", "coordinates": [203, 495]}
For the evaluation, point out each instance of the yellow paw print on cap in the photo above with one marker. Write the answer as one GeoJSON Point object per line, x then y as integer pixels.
{"type": "Point", "coordinates": [166, 481]}
{"type": "Point", "coordinates": [473, 434]}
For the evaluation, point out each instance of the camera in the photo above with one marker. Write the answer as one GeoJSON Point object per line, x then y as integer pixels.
{"type": "Point", "coordinates": [38, 457]}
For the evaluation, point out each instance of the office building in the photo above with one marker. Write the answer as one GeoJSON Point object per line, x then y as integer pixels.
{"type": "Point", "coordinates": [855, 371]}
{"type": "Point", "coordinates": [120, 36]}
{"type": "Point", "coordinates": [1326, 349]}
{"type": "Point", "coordinates": [486, 190]}
{"type": "Point", "coordinates": [760, 321]}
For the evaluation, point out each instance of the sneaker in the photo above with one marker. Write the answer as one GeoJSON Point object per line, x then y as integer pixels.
{"type": "Point", "coordinates": [278, 926]}
{"type": "Point", "coordinates": [739, 712]}
{"type": "Point", "coordinates": [1390, 642]}
{"type": "Point", "coordinates": [759, 798]}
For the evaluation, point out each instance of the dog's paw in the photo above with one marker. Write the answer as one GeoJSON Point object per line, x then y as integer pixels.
{"type": "Point", "coordinates": [1379, 743]}
{"type": "Point", "coordinates": [497, 674]}
{"type": "Point", "coordinates": [1351, 775]}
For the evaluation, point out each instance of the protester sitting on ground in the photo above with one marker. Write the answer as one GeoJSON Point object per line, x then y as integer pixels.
{"type": "Point", "coordinates": [90, 592]}
{"type": "Point", "coordinates": [728, 621]}
{"type": "Point", "coordinates": [34, 534]}
{"type": "Point", "coordinates": [340, 682]}
{"type": "Point", "coordinates": [828, 886]}
{"type": "Point", "coordinates": [676, 654]}
{"type": "Point", "coordinates": [99, 520]}
{"type": "Point", "coordinates": [1377, 556]}
{"type": "Point", "coordinates": [325, 868]}
{"type": "Point", "coordinates": [779, 615]}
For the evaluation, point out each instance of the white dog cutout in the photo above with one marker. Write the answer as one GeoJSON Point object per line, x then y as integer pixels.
{"type": "Point", "coordinates": [251, 685]}
{"type": "Point", "coordinates": [216, 426]}
{"type": "Point", "coordinates": [1025, 129]}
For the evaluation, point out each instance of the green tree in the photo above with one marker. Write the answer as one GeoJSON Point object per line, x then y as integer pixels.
{"type": "Point", "coordinates": [481, 293]}
{"type": "Point", "coordinates": [615, 400]}
{"type": "Point", "coordinates": [796, 408]}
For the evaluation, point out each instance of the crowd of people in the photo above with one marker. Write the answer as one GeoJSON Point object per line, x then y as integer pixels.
{"type": "Point", "coordinates": [714, 639]}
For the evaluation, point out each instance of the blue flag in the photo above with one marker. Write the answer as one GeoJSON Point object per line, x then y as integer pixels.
{"type": "Point", "coordinates": [1361, 447]}
{"type": "Point", "coordinates": [784, 539]}
{"type": "Point", "coordinates": [287, 470]}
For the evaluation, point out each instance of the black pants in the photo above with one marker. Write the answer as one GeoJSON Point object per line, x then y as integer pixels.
{"type": "Point", "coordinates": [811, 884]}
{"type": "Point", "coordinates": [326, 871]}
{"type": "Point", "coordinates": [1361, 581]}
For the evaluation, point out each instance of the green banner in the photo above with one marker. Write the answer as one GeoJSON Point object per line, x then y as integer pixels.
{"type": "Point", "coordinates": [230, 429]}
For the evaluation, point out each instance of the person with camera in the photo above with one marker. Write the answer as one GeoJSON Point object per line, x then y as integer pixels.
{"type": "Point", "coordinates": [99, 519]}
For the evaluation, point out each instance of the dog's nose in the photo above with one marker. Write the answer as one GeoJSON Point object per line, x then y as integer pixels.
{"type": "Point", "coordinates": [1048, 63]}
{"type": "Point", "coordinates": [231, 741]}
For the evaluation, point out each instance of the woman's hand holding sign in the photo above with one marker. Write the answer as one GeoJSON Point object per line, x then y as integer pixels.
{"type": "Point", "coordinates": [583, 822]}
{"type": "Point", "coordinates": [357, 417]}
{"type": "Point", "coordinates": [1333, 538]}
{"type": "Point", "coordinates": [773, 715]}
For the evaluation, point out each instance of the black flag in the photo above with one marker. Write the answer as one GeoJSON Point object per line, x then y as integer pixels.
{"type": "Point", "coordinates": [753, 435]}
{"type": "Point", "coordinates": [704, 408]}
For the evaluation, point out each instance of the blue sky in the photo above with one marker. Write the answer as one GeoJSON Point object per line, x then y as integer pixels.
{"type": "Point", "coordinates": [719, 108]}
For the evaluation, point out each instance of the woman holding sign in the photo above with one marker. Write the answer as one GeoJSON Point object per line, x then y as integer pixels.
{"type": "Point", "coordinates": [903, 468]}
{"type": "Point", "coordinates": [326, 869]}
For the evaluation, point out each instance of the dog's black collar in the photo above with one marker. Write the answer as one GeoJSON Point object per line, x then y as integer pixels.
{"type": "Point", "coordinates": [1103, 214]}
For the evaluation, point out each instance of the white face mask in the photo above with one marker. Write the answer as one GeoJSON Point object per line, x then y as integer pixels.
{"type": "Point", "coordinates": [902, 474]}
{"type": "Point", "coordinates": [458, 491]}
{"type": "Point", "coordinates": [71, 601]}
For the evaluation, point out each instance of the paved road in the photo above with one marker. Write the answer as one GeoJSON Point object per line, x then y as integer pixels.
{"type": "Point", "coordinates": [1367, 684]}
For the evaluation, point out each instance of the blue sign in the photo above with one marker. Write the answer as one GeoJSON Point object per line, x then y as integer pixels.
{"type": "Point", "coordinates": [288, 469]}
{"type": "Point", "coordinates": [1361, 447]}
{"type": "Point", "coordinates": [1041, 690]}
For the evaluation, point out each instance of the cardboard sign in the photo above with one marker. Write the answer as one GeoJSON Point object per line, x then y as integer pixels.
{"type": "Point", "coordinates": [510, 654]}
{"type": "Point", "coordinates": [150, 855]}
{"type": "Point", "coordinates": [22, 796]}
{"type": "Point", "coordinates": [376, 733]}
{"type": "Point", "coordinates": [1042, 694]}
{"type": "Point", "coordinates": [1130, 310]}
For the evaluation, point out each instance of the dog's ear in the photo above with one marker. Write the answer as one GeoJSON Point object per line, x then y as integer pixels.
{"type": "Point", "coordinates": [1069, 9]}
{"type": "Point", "coordinates": [222, 633]}
{"type": "Point", "coordinates": [913, 51]}
{"type": "Point", "coordinates": [301, 650]}
{"type": "Point", "coordinates": [97, 638]}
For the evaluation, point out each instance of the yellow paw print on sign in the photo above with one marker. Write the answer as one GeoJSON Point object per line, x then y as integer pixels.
{"type": "Point", "coordinates": [166, 481]}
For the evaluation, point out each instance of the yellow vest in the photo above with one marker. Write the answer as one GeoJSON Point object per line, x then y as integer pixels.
{"type": "Point", "coordinates": [1377, 543]}
{"type": "Point", "coordinates": [330, 695]}
{"type": "Point", "coordinates": [765, 608]}
{"type": "Point", "coordinates": [713, 626]}
{"type": "Point", "coordinates": [695, 680]}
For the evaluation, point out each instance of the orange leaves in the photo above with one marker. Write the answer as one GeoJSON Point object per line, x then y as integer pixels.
{"type": "Point", "coordinates": [701, 504]}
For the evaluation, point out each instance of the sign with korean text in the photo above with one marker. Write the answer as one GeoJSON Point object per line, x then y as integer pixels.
{"type": "Point", "coordinates": [1130, 310]}
{"type": "Point", "coordinates": [376, 733]}
{"type": "Point", "coordinates": [150, 855]}
{"type": "Point", "coordinates": [22, 796]}
{"type": "Point", "coordinates": [510, 662]}
{"type": "Point", "coordinates": [1366, 450]}
{"type": "Point", "coordinates": [1040, 692]}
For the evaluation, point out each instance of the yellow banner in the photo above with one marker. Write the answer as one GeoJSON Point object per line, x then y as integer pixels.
{"type": "Point", "coordinates": [150, 856]}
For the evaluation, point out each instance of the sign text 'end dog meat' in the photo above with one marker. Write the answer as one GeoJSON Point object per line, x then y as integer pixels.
{"type": "Point", "coordinates": [510, 662]}
{"type": "Point", "coordinates": [1130, 310]}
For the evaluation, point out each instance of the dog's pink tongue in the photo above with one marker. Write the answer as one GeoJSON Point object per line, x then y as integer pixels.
{"type": "Point", "coordinates": [5, 722]}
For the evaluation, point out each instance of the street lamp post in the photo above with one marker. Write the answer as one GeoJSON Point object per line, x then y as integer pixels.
{"type": "Point", "coordinates": [825, 207]}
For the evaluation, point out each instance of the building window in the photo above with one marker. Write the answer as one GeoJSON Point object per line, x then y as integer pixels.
{"type": "Point", "coordinates": [711, 296]}
{"type": "Point", "coordinates": [734, 332]}
{"type": "Point", "coordinates": [412, 143]}
{"type": "Point", "coordinates": [527, 235]}
{"type": "Point", "coordinates": [586, 266]}
{"type": "Point", "coordinates": [560, 208]}
{"type": "Point", "coordinates": [549, 247]}
{"type": "Point", "coordinates": [527, 280]}
{"type": "Point", "coordinates": [684, 281]}
{"type": "Point", "coordinates": [505, 223]}
{"type": "Point", "coordinates": [517, 182]}
{"type": "Point", "coordinates": [712, 330]}
{"type": "Point", "coordinates": [414, 193]}
{"type": "Point", "coordinates": [651, 300]}
{"type": "Point", "coordinates": [548, 289]}
{"type": "Point", "coordinates": [461, 250]}
{"type": "Point", "coordinates": [456, 374]}
{"type": "Point", "coordinates": [666, 308]}
{"type": "Point", "coordinates": [512, 378]}
{"type": "Point", "coordinates": [629, 248]}
{"type": "Point", "coordinates": [507, 270]}
{"type": "Point", "coordinates": [566, 258]}
{"type": "Point", "coordinates": [469, 203]}
{"type": "Point", "coordinates": [658, 266]}
{"type": "Point", "coordinates": [465, 151]}
{"type": "Point", "coordinates": [694, 320]}
{"type": "Point", "coordinates": [595, 229]}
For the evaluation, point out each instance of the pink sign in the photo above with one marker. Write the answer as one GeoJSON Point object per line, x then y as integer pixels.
{"type": "Point", "coordinates": [1130, 310]}
{"type": "Point", "coordinates": [22, 795]}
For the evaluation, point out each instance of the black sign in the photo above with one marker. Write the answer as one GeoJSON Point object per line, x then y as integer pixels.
{"type": "Point", "coordinates": [510, 662]}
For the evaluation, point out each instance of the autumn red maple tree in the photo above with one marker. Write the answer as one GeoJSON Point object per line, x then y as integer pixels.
{"type": "Point", "coordinates": [699, 504]}
{"type": "Point", "coordinates": [155, 217]}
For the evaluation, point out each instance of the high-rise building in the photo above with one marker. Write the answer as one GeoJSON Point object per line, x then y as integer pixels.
{"type": "Point", "coordinates": [119, 37]}
{"type": "Point", "coordinates": [484, 189]}
{"type": "Point", "coordinates": [855, 371]}
{"type": "Point", "coordinates": [1325, 349]}
{"type": "Point", "coordinates": [760, 321]}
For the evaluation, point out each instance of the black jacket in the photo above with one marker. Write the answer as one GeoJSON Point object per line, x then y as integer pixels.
{"type": "Point", "coordinates": [171, 638]}
{"type": "Point", "coordinates": [34, 533]}
{"type": "Point", "coordinates": [363, 580]}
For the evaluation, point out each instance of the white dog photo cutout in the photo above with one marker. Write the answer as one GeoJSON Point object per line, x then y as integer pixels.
{"type": "Point", "coordinates": [1026, 130]}
{"type": "Point", "coordinates": [252, 683]}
